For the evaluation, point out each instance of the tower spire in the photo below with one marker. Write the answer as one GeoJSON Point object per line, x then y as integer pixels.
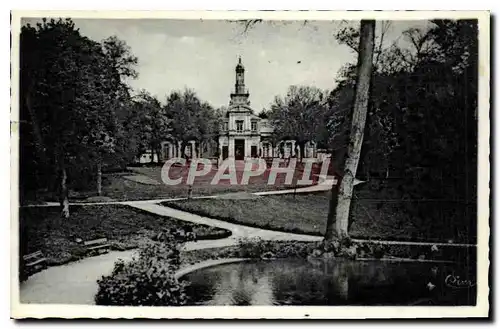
{"type": "Point", "coordinates": [240, 77]}
{"type": "Point", "coordinates": [240, 95]}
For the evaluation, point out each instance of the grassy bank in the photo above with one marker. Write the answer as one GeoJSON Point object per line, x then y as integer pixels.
{"type": "Point", "coordinates": [307, 213]}
{"type": "Point", "coordinates": [258, 249]}
{"type": "Point", "coordinates": [117, 187]}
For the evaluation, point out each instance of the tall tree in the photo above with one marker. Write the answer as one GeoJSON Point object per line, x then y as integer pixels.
{"type": "Point", "coordinates": [185, 109]}
{"type": "Point", "coordinates": [349, 36]}
{"type": "Point", "coordinates": [151, 123]}
{"type": "Point", "coordinates": [341, 199]}
{"type": "Point", "coordinates": [111, 63]}
{"type": "Point", "coordinates": [209, 123]}
{"type": "Point", "coordinates": [422, 124]}
{"type": "Point", "coordinates": [56, 95]}
{"type": "Point", "coordinates": [73, 93]}
{"type": "Point", "coordinates": [299, 115]}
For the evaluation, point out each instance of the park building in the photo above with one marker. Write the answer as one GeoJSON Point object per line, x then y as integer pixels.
{"type": "Point", "coordinates": [243, 135]}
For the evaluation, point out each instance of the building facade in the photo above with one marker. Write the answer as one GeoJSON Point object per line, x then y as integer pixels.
{"type": "Point", "coordinates": [243, 135]}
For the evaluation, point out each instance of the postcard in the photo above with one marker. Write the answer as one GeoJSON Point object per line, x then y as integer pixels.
{"type": "Point", "coordinates": [249, 165]}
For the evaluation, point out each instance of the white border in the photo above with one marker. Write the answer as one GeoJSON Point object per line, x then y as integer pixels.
{"type": "Point", "coordinates": [276, 312]}
{"type": "Point", "coordinates": [272, 15]}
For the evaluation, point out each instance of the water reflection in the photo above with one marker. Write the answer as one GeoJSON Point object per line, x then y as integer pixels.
{"type": "Point", "coordinates": [321, 282]}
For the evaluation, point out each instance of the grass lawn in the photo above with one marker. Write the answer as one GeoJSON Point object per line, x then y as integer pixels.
{"type": "Point", "coordinates": [307, 213]}
{"type": "Point", "coordinates": [42, 229]}
{"type": "Point", "coordinates": [202, 185]}
{"type": "Point", "coordinates": [116, 187]}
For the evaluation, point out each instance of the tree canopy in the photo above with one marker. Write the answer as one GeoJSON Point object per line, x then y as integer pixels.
{"type": "Point", "coordinates": [299, 115]}
{"type": "Point", "coordinates": [422, 124]}
{"type": "Point", "coordinates": [79, 116]}
{"type": "Point", "coordinates": [71, 88]}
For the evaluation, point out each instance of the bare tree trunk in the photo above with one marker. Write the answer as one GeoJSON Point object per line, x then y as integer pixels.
{"type": "Point", "coordinates": [343, 202]}
{"type": "Point", "coordinates": [99, 177]}
{"type": "Point", "coordinates": [330, 221]}
{"type": "Point", "coordinates": [64, 191]}
{"type": "Point", "coordinates": [302, 151]}
{"type": "Point", "coordinates": [198, 149]}
{"type": "Point", "coordinates": [181, 149]}
{"type": "Point", "coordinates": [152, 152]}
{"type": "Point", "coordinates": [36, 129]}
{"type": "Point", "coordinates": [158, 153]}
{"type": "Point", "coordinates": [39, 143]}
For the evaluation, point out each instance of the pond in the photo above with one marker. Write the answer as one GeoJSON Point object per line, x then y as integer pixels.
{"type": "Point", "coordinates": [331, 282]}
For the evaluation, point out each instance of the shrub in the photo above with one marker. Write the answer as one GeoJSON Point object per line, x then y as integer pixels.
{"type": "Point", "coordinates": [250, 248]}
{"type": "Point", "coordinates": [258, 248]}
{"type": "Point", "coordinates": [176, 235]}
{"type": "Point", "coordinates": [148, 280]}
{"type": "Point", "coordinates": [348, 253]}
{"type": "Point", "coordinates": [378, 251]}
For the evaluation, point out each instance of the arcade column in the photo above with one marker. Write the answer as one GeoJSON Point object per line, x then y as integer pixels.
{"type": "Point", "coordinates": [231, 147]}
{"type": "Point", "coordinates": [179, 149]}
{"type": "Point", "coordinates": [193, 149]}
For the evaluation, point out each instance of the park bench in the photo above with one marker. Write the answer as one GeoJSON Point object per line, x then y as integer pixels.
{"type": "Point", "coordinates": [35, 261]}
{"type": "Point", "coordinates": [99, 246]}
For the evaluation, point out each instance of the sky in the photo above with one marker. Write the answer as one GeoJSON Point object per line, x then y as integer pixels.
{"type": "Point", "coordinates": [202, 54]}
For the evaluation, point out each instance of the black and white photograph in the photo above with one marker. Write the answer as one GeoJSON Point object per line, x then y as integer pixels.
{"type": "Point", "coordinates": [166, 165]}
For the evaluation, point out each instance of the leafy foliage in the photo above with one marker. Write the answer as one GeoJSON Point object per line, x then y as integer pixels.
{"type": "Point", "coordinates": [148, 280]}
{"type": "Point", "coordinates": [192, 119]}
{"type": "Point", "coordinates": [79, 118]}
{"type": "Point", "coordinates": [150, 122]}
{"type": "Point", "coordinates": [299, 115]}
{"type": "Point", "coordinates": [422, 123]}
{"type": "Point", "coordinates": [256, 248]}
{"type": "Point", "coordinates": [71, 92]}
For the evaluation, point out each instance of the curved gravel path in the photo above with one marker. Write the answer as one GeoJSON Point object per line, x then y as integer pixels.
{"type": "Point", "coordinates": [73, 283]}
{"type": "Point", "coordinates": [76, 282]}
{"type": "Point", "coordinates": [239, 231]}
